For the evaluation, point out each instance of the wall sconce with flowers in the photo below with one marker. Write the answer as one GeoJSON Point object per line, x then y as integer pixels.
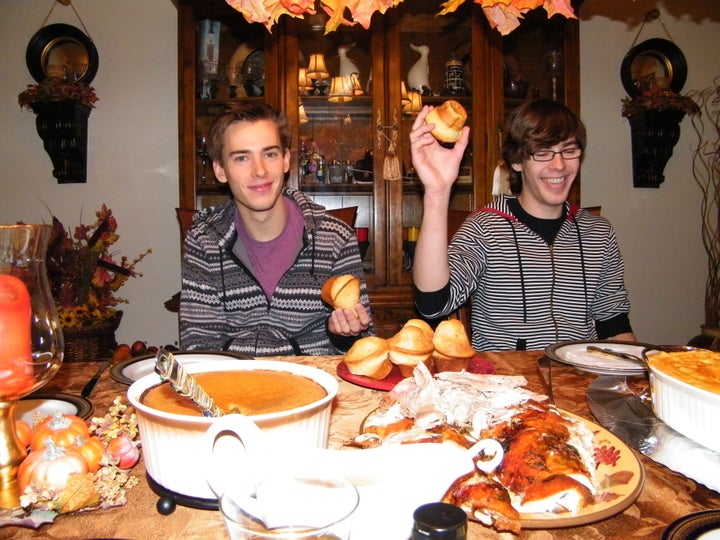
{"type": "Point", "coordinates": [63, 60]}
{"type": "Point", "coordinates": [653, 73]}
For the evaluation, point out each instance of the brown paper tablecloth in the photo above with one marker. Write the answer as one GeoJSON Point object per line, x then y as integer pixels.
{"type": "Point", "coordinates": [665, 497]}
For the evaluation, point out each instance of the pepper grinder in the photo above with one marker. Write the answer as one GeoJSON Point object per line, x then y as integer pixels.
{"type": "Point", "coordinates": [439, 521]}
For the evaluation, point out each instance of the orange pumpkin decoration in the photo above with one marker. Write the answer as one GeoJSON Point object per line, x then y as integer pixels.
{"type": "Point", "coordinates": [63, 430]}
{"type": "Point", "coordinates": [24, 431]}
{"type": "Point", "coordinates": [92, 449]}
{"type": "Point", "coordinates": [50, 467]}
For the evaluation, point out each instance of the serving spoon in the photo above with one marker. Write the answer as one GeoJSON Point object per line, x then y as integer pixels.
{"type": "Point", "coordinates": [167, 366]}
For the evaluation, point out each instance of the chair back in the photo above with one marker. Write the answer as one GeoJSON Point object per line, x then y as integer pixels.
{"type": "Point", "coordinates": [348, 214]}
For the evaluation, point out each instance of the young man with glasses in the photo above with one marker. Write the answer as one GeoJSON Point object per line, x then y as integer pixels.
{"type": "Point", "coordinates": [537, 269]}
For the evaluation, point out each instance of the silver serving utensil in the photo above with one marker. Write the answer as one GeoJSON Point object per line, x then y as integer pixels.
{"type": "Point", "coordinates": [616, 354]}
{"type": "Point", "coordinates": [183, 383]}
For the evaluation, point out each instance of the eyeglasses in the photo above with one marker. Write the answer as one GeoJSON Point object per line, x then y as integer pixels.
{"type": "Point", "coordinates": [549, 155]}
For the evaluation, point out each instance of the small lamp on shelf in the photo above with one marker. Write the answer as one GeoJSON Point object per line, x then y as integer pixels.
{"type": "Point", "coordinates": [357, 88]}
{"type": "Point", "coordinates": [341, 89]}
{"type": "Point", "coordinates": [304, 82]}
{"type": "Point", "coordinates": [302, 115]}
{"type": "Point", "coordinates": [414, 105]}
{"type": "Point", "coordinates": [405, 99]}
{"type": "Point", "coordinates": [318, 72]}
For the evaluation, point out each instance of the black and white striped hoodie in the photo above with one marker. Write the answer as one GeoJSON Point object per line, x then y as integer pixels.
{"type": "Point", "coordinates": [527, 293]}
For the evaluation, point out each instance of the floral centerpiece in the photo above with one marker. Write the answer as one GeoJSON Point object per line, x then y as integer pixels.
{"type": "Point", "coordinates": [84, 274]}
{"type": "Point", "coordinates": [656, 98]}
{"type": "Point", "coordinates": [57, 89]}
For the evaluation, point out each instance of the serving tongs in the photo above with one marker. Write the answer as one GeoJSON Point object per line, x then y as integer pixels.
{"type": "Point", "coordinates": [183, 383]}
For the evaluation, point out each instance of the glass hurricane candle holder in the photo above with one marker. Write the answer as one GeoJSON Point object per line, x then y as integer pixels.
{"type": "Point", "coordinates": [31, 341]}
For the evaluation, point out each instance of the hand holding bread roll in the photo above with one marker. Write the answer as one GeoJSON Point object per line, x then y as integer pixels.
{"type": "Point", "coordinates": [341, 292]}
{"type": "Point", "coordinates": [449, 119]}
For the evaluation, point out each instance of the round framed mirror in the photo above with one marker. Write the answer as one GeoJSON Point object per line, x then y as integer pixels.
{"type": "Point", "coordinates": [61, 50]}
{"type": "Point", "coordinates": [656, 61]}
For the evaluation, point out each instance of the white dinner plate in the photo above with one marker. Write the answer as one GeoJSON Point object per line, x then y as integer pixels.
{"type": "Point", "coordinates": [129, 371]}
{"type": "Point", "coordinates": [703, 525]}
{"type": "Point", "coordinates": [46, 404]}
{"type": "Point", "coordinates": [575, 353]}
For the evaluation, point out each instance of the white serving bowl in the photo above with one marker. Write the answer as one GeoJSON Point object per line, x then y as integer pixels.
{"type": "Point", "coordinates": [687, 409]}
{"type": "Point", "coordinates": [172, 444]}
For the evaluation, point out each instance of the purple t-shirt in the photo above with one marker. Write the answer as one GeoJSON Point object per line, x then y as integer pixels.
{"type": "Point", "coordinates": [270, 260]}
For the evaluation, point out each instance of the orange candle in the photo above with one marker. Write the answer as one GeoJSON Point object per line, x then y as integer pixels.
{"type": "Point", "coordinates": [16, 370]}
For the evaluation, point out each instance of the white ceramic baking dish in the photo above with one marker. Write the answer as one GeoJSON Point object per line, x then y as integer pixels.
{"type": "Point", "coordinates": [172, 444]}
{"type": "Point", "coordinates": [687, 409]}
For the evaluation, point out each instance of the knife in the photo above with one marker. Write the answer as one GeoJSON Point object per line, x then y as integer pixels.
{"type": "Point", "coordinates": [90, 386]}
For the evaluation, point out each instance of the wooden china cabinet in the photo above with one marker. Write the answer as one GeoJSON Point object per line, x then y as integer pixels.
{"type": "Point", "coordinates": [343, 146]}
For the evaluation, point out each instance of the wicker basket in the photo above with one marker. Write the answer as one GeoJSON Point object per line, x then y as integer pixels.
{"type": "Point", "coordinates": [92, 343]}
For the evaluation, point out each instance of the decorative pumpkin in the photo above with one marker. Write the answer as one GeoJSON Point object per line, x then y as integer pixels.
{"type": "Point", "coordinates": [63, 429]}
{"type": "Point", "coordinates": [92, 449]}
{"type": "Point", "coordinates": [50, 467]}
{"type": "Point", "coordinates": [24, 431]}
{"type": "Point", "coordinates": [124, 451]}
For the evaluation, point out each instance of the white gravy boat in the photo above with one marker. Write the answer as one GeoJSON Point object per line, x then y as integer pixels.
{"type": "Point", "coordinates": [392, 480]}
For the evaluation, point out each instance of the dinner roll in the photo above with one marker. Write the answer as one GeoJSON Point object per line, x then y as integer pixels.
{"type": "Point", "coordinates": [422, 325]}
{"type": "Point", "coordinates": [341, 292]}
{"type": "Point", "coordinates": [449, 118]}
{"type": "Point", "coordinates": [408, 348]}
{"type": "Point", "coordinates": [453, 350]}
{"type": "Point", "coordinates": [368, 356]}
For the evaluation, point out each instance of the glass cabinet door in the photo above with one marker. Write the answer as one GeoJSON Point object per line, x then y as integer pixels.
{"type": "Point", "coordinates": [228, 69]}
{"type": "Point", "coordinates": [433, 64]}
{"type": "Point", "coordinates": [336, 129]}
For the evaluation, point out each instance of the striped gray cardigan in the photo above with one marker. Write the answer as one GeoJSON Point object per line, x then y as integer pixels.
{"type": "Point", "coordinates": [527, 294]}
{"type": "Point", "coordinates": [223, 306]}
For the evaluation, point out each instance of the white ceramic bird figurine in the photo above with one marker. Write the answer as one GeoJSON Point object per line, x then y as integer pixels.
{"type": "Point", "coordinates": [419, 74]}
{"type": "Point", "coordinates": [347, 66]}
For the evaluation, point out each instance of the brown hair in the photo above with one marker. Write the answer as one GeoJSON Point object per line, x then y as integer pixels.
{"type": "Point", "coordinates": [250, 112]}
{"type": "Point", "coordinates": [537, 124]}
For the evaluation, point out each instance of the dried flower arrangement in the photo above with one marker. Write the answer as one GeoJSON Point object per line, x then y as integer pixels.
{"type": "Point", "coordinates": [83, 274]}
{"type": "Point", "coordinates": [57, 89]}
{"type": "Point", "coordinates": [656, 98]}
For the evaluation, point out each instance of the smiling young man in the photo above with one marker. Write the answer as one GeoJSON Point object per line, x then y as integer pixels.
{"type": "Point", "coordinates": [536, 269]}
{"type": "Point", "coordinates": [253, 267]}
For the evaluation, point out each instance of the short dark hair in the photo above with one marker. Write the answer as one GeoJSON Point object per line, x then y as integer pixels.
{"type": "Point", "coordinates": [248, 112]}
{"type": "Point", "coordinates": [536, 124]}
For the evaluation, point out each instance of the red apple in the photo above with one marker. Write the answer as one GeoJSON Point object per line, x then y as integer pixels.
{"type": "Point", "coordinates": [138, 348]}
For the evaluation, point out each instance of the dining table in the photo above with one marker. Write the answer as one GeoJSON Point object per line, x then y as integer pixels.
{"type": "Point", "coordinates": [664, 497]}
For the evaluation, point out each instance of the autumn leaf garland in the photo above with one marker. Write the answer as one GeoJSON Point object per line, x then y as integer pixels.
{"type": "Point", "coordinates": [505, 15]}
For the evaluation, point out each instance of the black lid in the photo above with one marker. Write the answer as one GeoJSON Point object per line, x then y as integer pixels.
{"type": "Point", "coordinates": [439, 521]}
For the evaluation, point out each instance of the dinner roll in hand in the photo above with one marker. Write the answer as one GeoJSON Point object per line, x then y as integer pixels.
{"type": "Point", "coordinates": [341, 292]}
{"type": "Point", "coordinates": [449, 119]}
